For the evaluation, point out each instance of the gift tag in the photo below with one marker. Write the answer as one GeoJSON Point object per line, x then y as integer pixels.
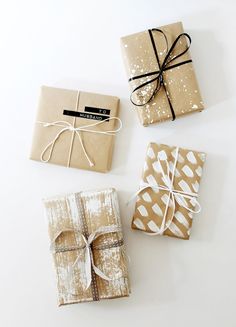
{"type": "Point", "coordinates": [99, 114]}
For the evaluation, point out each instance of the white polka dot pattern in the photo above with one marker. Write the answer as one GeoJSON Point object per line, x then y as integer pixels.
{"type": "Point", "coordinates": [151, 207]}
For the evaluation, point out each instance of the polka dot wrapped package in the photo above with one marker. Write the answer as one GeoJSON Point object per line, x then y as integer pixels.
{"type": "Point", "coordinates": [168, 194]}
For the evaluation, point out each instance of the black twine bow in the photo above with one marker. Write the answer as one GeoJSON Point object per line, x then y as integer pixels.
{"type": "Point", "coordinates": [159, 79]}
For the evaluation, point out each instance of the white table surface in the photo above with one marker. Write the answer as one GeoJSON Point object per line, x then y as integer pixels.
{"type": "Point", "coordinates": [75, 44]}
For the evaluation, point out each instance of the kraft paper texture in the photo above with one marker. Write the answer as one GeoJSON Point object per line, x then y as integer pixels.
{"type": "Point", "coordinates": [151, 203]}
{"type": "Point", "coordinates": [181, 82]}
{"type": "Point", "coordinates": [99, 147]}
{"type": "Point", "coordinates": [87, 211]}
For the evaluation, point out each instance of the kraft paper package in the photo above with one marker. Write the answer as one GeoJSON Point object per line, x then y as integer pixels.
{"type": "Point", "coordinates": [75, 129]}
{"type": "Point", "coordinates": [161, 74]}
{"type": "Point", "coordinates": [87, 246]}
{"type": "Point", "coordinates": [168, 194]}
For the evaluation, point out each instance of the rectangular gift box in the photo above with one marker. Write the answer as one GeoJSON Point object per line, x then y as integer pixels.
{"type": "Point", "coordinates": [177, 88]}
{"type": "Point", "coordinates": [168, 193]}
{"type": "Point", "coordinates": [75, 129]}
{"type": "Point", "coordinates": [87, 246]}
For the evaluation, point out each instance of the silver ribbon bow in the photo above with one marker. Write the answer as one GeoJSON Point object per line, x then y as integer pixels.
{"type": "Point", "coordinates": [89, 261]}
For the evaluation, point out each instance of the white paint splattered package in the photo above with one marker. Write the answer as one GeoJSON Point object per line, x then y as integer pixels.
{"type": "Point", "coordinates": [161, 74]}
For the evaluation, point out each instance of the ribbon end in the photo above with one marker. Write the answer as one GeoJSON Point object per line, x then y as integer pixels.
{"type": "Point", "coordinates": [44, 160]}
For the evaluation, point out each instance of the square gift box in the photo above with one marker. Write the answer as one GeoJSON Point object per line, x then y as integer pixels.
{"type": "Point", "coordinates": [168, 193]}
{"type": "Point", "coordinates": [87, 245]}
{"type": "Point", "coordinates": [161, 74]}
{"type": "Point", "coordinates": [75, 129]}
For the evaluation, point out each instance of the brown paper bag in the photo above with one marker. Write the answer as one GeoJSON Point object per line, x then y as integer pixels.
{"type": "Point", "coordinates": [77, 219]}
{"type": "Point", "coordinates": [157, 210]}
{"type": "Point", "coordinates": [179, 93]}
{"type": "Point", "coordinates": [88, 149]}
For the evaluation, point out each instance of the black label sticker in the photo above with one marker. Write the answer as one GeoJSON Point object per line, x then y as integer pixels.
{"type": "Point", "coordinates": [86, 115]}
{"type": "Point", "coordinates": [100, 111]}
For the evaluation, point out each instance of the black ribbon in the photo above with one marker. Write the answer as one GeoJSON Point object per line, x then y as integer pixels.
{"type": "Point", "coordinates": [159, 79]}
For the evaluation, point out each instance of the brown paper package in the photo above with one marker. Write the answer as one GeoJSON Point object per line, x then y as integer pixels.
{"type": "Point", "coordinates": [99, 147]}
{"type": "Point", "coordinates": [180, 82]}
{"type": "Point", "coordinates": [87, 212]}
{"type": "Point", "coordinates": [151, 203]}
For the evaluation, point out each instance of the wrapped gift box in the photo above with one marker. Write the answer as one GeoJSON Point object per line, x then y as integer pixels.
{"type": "Point", "coordinates": [163, 87]}
{"type": "Point", "coordinates": [87, 245]}
{"type": "Point", "coordinates": [75, 129]}
{"type": "Point", "coordinates": [168, 193]}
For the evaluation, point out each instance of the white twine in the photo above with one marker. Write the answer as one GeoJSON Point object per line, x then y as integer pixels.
{"type": "Point", "coordinates": [89, 261]}
{"type": "Point", "coordinates": [66, 126]}
{"type": "Point", "coordinates": [174, 195]}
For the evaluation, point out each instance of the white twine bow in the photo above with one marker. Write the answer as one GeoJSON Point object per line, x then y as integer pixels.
{"type": "Point", "coordinates": [173, 196]}
{"type": "Point", "coordinates": [66, 126]}
{"type": "Point", "coordinates": [89, 261]}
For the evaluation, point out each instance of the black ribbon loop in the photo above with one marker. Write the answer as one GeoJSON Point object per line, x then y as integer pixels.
{"type": "Point", "coordinates": [166, 65]}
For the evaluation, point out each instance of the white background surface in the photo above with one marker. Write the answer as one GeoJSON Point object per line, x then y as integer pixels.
{"type": "Point", "coordinates": [75, 44]}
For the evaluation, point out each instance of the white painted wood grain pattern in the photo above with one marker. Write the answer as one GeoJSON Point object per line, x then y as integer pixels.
{"type": "Point", "coordinates": [98, 208]}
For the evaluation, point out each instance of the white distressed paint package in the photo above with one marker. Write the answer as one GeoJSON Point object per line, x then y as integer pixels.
{"type": "Point", "coordinates": [87, 246]}
{"type": "Point", "coordinates": [168, 194]}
